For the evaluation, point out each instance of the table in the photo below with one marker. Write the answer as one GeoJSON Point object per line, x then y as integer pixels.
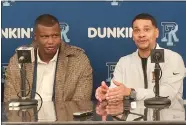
{"type": "Point", "coordinates": [107, 113]}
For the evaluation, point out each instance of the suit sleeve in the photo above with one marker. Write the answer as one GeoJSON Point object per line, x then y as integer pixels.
{"type": "Point", "coordinates": [10, 81]}
{"type": "Point", "coordinates": [118, 72]}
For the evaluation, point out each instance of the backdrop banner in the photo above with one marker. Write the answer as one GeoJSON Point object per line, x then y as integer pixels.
{"type": "Point", "coordinates": [102, 29]}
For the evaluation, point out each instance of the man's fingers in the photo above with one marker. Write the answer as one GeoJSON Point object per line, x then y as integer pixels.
{"type": "Point", "coordinates": [104, 118]}
{"type": "Point", "coordinates": [100, 94]}
{"type": "Point", "coordinates": [115, 89]}
{"type": "Point", "coordinates": [116, 83]}
{"type": "Point", "coordinates": [111, 107]}
{"type": "Point", "coordinates": [104, 85]}
{"type": "Point", "coordinates": [114, 97]}
{"type": "Point", "coordinates": [97, 93]}
{"type": "Point", "coordinates": [112, 93]}
{"type": "Point", "coordinates": [103, 90]}
{"type": "Point", "coordinates": [111, 100]}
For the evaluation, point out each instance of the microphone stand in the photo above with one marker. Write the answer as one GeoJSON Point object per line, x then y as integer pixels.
{"type": "Point", "coordinates": [23, 101]}
{"type": "Point", "coordinates": [157, 100]}
{"type": "Point", "coordinates": [24, 119]}
{"type": "Point", "coordinates": [23, 81]}
{"type": "Point", "coordinates": [156, 111]}
{"type": "Point", "coordinates": [156, 114]}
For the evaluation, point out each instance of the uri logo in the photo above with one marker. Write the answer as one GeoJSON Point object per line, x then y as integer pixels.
{"type": "Point", "coordinates": [111, 67]}
{"type": "Point", "coordinates": [64, 30]}
{"type": "Point", "coordinates": [169, 30]}
{"type": "Point", "coordinates": [7, 3]}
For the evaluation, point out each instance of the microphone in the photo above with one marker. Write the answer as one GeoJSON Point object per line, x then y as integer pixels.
{"type": "Point", "coordinates": [157, 56]}
{"type": "Point", "coordinates": [25, 54]}
{"type": "Point", "coordinates": [21, 58]}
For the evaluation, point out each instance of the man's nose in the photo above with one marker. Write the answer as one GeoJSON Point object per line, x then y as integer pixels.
{"type": "Point", "coordinates": [141, 34]}
{"type": "Point", "coordinates": [50, 40]}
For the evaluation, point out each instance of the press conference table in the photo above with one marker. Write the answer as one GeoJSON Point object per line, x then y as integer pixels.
{"type": "Point", "coordinates": [122, 112]}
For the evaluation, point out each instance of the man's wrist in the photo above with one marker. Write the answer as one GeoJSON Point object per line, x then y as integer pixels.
{"type": "Point", "coordinates": [129, 91]}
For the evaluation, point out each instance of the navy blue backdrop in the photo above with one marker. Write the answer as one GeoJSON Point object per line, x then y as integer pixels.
{"type": "Point", "coordinates": [88, 25]}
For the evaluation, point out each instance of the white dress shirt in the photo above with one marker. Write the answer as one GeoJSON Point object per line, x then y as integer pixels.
{"type": "Point", "coordinates": [47, 112]}
{"type": "Point", "coordinates": [45, 77]}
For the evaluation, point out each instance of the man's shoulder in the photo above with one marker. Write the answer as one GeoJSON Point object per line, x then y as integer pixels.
{"type": "Point", "coordinates": [14, 58]}
{"type": "Point", "coordinates": [172, 57]}
{"type": "Point", "coordinates": [76, 49]}
{"type": "Point", "coordinates": [71, 50]}
{"type": "Point", "coordinates": [13, 63]}
{"type": "Point", "coordinates": [171, 54]}
{"type": "Point", "coordinates": [127, 59]}
{"type": "Point", "coordinates": [129, 56]}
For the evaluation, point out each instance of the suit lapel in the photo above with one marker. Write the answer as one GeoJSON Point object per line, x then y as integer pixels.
{"type": "Point", "coordinates": [61, 75]}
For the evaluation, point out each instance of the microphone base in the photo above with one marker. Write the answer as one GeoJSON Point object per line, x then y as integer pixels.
{"type": "Point", "coordinates": [22, 102]}
{"type": "Point", "coordinates": [157, 102]}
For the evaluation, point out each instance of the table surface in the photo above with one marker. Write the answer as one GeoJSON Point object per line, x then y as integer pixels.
{"type": "Point", "coordinates": [113, 112]}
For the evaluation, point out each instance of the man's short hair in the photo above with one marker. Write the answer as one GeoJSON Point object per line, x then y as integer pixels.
{"type": "Point", "coordinates": [145, 16]}
{"type": "Point", "coordinates": [46, 20]}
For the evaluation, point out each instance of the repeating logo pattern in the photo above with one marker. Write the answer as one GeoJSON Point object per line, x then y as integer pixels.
{"type": "Point", "coordinates": [111, 66]}
{"type": "Point", "coordinates": [64, 30]}
{"type": "Point", "coordinates": [169, 30]}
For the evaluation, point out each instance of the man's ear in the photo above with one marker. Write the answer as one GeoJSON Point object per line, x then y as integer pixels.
{"type": "Point", "coordinates": [157, 32]}
{"type": "Point", "coordinates": [34, 42]}
{"type": "Point", "coordinates": [60, 31]}
{"type": "Point", "coordinates": [34, 35]}
{"type": "Point", "coordinates": [132, 35]}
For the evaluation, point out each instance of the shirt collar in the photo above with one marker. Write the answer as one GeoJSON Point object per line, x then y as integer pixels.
{"type": "Point", "coordinates": [54, 59]}
{"type": "Point", "coordinates": [156, 47]}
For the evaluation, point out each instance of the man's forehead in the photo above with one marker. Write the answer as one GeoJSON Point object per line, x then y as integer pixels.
{"type": "Point", "coordinates": [42, 28]}
{"type": "Point", "coordinates": [142, 23]}
{"type": "Point", "coordinates": [48, 26]}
